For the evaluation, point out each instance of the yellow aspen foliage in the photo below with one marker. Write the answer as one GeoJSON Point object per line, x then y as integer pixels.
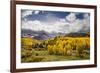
{"type": "Point", "coordinates": [65, 45]}
{"type": "Point", "coordinates": [50, 49]}
{"type": "Point", "coordinates": [26, 43]}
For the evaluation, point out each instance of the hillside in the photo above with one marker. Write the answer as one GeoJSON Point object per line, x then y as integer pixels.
{"type": "Point", "coordinates": [77, 35]}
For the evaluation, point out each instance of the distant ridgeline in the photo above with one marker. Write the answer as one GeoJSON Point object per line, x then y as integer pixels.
{"type": "Point", "coordinates": [78, 35]}
{"type": "Point", "coordinates": [47, 36]}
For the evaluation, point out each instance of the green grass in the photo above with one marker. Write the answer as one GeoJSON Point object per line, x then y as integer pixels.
{"type": "Point", "coordinates": [41, 53]}
{"type": "Point", "coordinates": [43, 56]}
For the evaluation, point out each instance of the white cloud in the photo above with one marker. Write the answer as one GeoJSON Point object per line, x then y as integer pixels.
{"type": "Point", "coordinates": [26, 13]}
{"type": "Point", "coordinates": [62, 20]}
{"type": "Point", "coordinates": [36, 12]}
{"type": "Point", "coordinates": [62, 25]}
{"type": "Point", "coordinates": [76, 26]}
{"type": "Point", "coordinates": [71, 17]}
{"type": "Point", "coordinates": [86, 15]}
{"type": "Point", "coordinates": [86, 22]}
{"type": "Point", "coordinates": [32, 25]}
{"type": "Point", "coordinates": [36, 25]}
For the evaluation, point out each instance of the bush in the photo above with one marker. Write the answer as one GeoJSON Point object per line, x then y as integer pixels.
{"type": "Point", "coordinates": [25, 53]}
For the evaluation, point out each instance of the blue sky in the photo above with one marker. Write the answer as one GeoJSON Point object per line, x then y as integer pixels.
{"type": "Point", "coordinates": [55, 21]}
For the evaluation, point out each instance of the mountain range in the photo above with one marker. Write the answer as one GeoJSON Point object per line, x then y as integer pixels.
{"type": "Point", "coordinates": [42, 35]}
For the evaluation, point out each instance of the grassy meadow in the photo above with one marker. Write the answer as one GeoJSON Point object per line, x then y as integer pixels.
{"type": "Point", "coordinates": [60, 48]}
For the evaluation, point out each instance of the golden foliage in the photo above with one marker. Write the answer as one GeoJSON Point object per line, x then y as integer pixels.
{"type": "Point", "coordinates": [66, 45]}
{"type": "Point", "coordinates": [58, 45]}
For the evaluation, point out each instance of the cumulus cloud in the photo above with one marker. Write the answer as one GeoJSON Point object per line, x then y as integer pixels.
{"type": "Point", "coordinates": [71, 17]}
{"type": "Point", "coordinates": [64, 25]}
{"type": "Point", "coordinates": [62, 20]}
{"type": "Point", "coordinates": [86, 15]}
{"type": "Point", "coordinates": [32, 25]}
{"type": "Point", "coordinates": [29, 12]}
{"type": "Point", "coordinates": [36, 25]}
{"type": "Point", "coordinates": [36, 12]}
{"type": "Point", "coordinates": [86, 22]}
{"type": "Point", "coordinates": [26, 13]}
{"type": "Point", "coordinates": [76, 26]}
